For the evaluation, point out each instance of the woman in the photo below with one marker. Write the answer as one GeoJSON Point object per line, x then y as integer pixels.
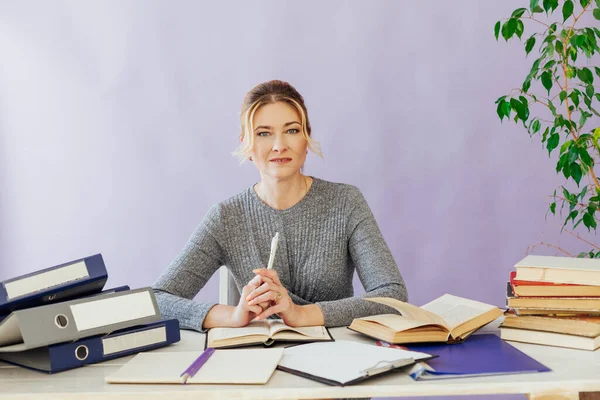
{"type": "Point", "coordinates": [326, 231]}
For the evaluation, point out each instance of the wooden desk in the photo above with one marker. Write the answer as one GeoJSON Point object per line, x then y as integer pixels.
{"type": "Point", "coordinates": [573, 371]}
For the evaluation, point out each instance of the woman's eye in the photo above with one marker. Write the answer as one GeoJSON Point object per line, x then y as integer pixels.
{"type": "Point", "coordinates": [293, 131]}
{"type": "Point", "coordinates": [263, 134]}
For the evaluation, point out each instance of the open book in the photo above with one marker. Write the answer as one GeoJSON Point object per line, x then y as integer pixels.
{"type": "Point", "coordinates": [445, 319]}
{"type": "Point", "coordinates": [265, 332]}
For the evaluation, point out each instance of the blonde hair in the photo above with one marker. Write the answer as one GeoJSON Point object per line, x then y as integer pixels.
{"type": "Point", "coordinates": [267, 93]}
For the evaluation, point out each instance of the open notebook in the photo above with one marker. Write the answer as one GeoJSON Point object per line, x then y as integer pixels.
{"type": "Point", "coordinates": [265, 332]}
{"type": "Point", "coordinates": [241, 366]}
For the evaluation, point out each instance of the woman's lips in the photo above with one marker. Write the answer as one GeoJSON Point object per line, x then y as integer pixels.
{"type": "Point", "coordinates": [281, 160]}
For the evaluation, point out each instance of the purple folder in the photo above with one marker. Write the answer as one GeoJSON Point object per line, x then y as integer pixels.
{"type": "Point", "coordinates": [478, 355]}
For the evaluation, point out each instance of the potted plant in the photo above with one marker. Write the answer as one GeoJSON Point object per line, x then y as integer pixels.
{"type": "Point", "coordinates": [559, 100]}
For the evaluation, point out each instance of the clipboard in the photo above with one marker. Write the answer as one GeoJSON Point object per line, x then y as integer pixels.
{"type": "Point", "coordinates": [343, 363]}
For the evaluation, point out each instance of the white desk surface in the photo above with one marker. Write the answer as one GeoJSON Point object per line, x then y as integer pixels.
{"type": "Point", "coordinates": [573, 371]}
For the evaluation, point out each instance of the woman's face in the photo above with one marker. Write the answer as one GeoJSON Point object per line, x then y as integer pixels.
{"type": "Point", "coordinates": [279, 148]}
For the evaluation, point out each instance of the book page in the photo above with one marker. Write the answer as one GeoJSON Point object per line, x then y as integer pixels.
{"type": "Point", "coordinates": [410, 311]}
{"type": "Point", "coordinates": [456, 310]}
{"type": "Point", "coordinates": [398, 323]}
{"type": "Point", "coordinates": [276, 325]}
{"type": "Point", "coordinates": [254, 328]}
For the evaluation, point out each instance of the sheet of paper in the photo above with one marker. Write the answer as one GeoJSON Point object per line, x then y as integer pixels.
{"type": "Point", "coordinates": [342, 360]}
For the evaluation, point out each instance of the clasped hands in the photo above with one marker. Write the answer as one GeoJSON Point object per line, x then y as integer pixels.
{"type": "Point", "coordinates": [264, 296]}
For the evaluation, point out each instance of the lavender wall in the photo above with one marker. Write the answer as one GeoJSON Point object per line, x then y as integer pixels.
{"type": "Point", "coordinates": [117, 120]}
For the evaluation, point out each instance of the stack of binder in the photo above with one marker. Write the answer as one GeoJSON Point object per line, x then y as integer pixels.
{"type": "Point", "coordinates": [554, 301]}
{"type": "Point", "coordinates": [59, 318]}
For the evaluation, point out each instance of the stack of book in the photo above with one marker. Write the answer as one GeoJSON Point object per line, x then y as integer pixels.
{"type": "Point", "coordinates": [554, 301]}
{"type": "Point", "coordinates": [60, 318]}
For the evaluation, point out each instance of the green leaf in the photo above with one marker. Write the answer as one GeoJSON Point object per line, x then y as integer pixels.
{"type": "Point", "coordinates": [536, 126]}
{"type": "Point", "coordinates": [552, 142]}
{"type": "Point", "coordinates": [597, 71]}
{"type": "Point", "coordinates": [533, 4]}
{"type": "Point", "coordinates": [538, 9]}
{"type": "Point", "coordinates": [550, 5]}
{"type": "Point", "coordinates": [573, 154]}
{"type": "Point", "coordinates": [585, 75]}
{"type": "Point", "coordinates": [585, 157]}
{"type": "Point", "coordinates": [545, 135]}
{"type": "Point", "coordinates": [526, 85]}
{"type": "Point", "coordinates": [499, 99]}
{"type": "Point", "coordinates": [567, 9]}
{"type": "Point", "coordinates": [559, 46]}
{"type": "Point", "coordinates": [500, 110]}
{"type": "Point", "coordinates": [509, 28]}
{"type": "Point", "coordinates": [570, 73]}
{"type": "Point", "coordinates": [518, 12]}
{"type": "Point", "coordinates": [583, 119]}
{"type": "Point", "coordinates": [597, 13]}
{"type": "Point", "coordinates": [575, 97]}
{"type": "Point", "coordinates": [551, 107]}
{"type": "Point", "coordinates": [562, 96]}
{"type": "Point", "coordinates": [549, 64]}
{"type": "Point", "coordinates": [547, 81]}
{"type": "Point", "coordinates": [572, 215]}
{"type": "Point", "coordinates": [584, 3]}
{"type": "Point", "coordinates": [520, 28]}
{"type": "Point", "coordinates": [588, 220]}
{"type": "Point", "coordinates": [520, 108]}
{"type": "Point", "coordinates": [565, 146]}
{"type": "Point", "coordinates": [575, 171]}
{"type": "Point", "coordinates": [553, 208]}
{"type": "Point", "coordinates": [573, 53]}
{"type": "Point", "coordinates": [589, 90]}
{"type": "Point", "coordinates": [497, 29]}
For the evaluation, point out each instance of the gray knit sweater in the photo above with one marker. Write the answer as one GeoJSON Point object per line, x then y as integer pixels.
{"type": "Point", "coordinates": [322, 240]}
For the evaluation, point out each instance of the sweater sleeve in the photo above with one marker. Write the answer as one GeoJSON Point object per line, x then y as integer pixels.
{"type": "Point", "coordinates": [374, 264]}
{"type": "Point", "coordinates": [188, 273]}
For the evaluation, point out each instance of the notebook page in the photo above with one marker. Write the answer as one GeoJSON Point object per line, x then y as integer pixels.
{"type": "Point", "coordinates": [240, 366]}
{"type": "Point", "coordinates": [456, 310]}
{"type": "Point", "coordinates": [343, 360]}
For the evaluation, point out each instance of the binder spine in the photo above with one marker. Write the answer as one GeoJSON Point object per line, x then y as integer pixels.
{"type": "Point", "coordinates": [93, 350]}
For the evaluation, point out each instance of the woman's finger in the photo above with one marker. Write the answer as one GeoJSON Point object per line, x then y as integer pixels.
{"type": "Point", "coordinates": [256, 309]}
{"type": "Point", "coordinates": [268, 273]}
{"type": "Point", "coordinates": [265, 297]}
{"type": "Point", "coordinates": [265, 287]}
{"type": "Point", "coordinates": [271, 311]}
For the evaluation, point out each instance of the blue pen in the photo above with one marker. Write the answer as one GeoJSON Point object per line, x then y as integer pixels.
{"type": "Point", "coordinates": [196, 365]}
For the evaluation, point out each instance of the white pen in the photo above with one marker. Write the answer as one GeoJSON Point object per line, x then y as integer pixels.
{"type": "Point", "coordinates": [274, 243]}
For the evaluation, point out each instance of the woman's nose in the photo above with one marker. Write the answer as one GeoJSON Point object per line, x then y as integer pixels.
{"type": "Point", "coordinates": [279, 143]}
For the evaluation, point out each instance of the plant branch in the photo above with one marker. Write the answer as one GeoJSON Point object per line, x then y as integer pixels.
{"type": "Point", "coordinates": [530, 248]}
{"type": "Point", "coordinates": [582, 239]}
{"type": "Point", "coordinates": [537, 20]}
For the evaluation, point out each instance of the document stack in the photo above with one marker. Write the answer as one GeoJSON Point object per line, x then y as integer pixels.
{"type": "Point", "coordinates": [554, 301]}
{"type": "Point", "coordinates": [59, 318]}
